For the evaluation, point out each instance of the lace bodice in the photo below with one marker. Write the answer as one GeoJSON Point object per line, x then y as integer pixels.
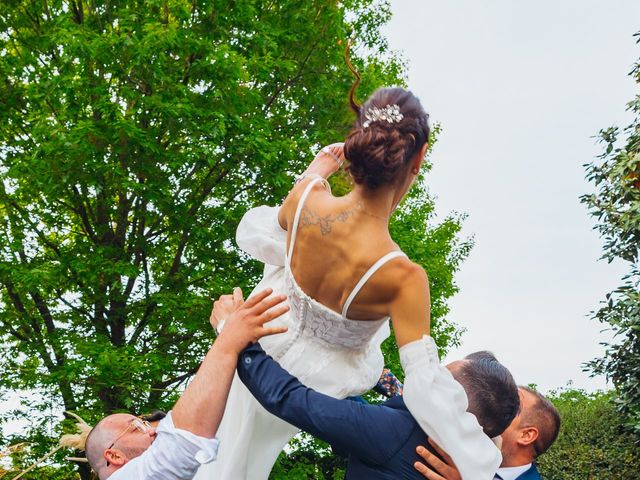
{"type": "Point", "coordinates": [317, 322]}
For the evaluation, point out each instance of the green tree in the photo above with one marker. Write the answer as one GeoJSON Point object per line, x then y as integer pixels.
{"type": "Point", "coordinates": [133, 136]}
{"type": "Point", "coordinates": [616, 205]}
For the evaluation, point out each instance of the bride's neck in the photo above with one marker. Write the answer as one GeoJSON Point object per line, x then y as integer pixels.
{"type": "Point", "coordinates": [380, 202]}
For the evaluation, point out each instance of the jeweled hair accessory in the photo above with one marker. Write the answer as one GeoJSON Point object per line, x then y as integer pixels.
{"type": "Point", "coordinates": [388, 113]}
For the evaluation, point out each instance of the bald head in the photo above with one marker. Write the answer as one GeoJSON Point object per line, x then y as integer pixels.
{"type": "Point", "coordinates": [102, 436]}
{"type": "Point", "coordinates": [115, 440]}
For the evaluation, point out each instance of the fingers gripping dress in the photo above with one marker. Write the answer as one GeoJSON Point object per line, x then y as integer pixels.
{"type": "Point", "coordinates": [324, 349]}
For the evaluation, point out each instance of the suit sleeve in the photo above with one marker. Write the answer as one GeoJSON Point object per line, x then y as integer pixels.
{"type": "Point", "coordinates": [372, 433]}
{"type": "Point", "coordinates": [439, 404]}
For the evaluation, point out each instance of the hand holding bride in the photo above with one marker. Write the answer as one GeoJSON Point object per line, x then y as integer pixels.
{"type": "Point", "coordinates": [436, 468]}
{"type": "Point", "coordinates": [245, 320]}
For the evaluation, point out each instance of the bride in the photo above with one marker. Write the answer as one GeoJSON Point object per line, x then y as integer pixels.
{"type": "Point", "coordinates": [345, 278]}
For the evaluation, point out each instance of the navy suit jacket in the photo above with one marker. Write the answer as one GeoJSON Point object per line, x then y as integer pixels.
{"type": "Point", "coordinates": [379, 441]}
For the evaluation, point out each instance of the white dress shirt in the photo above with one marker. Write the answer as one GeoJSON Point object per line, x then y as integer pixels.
{"type": "Point", "coordinates": [175, 454]}
{"type": "Point", "coordinates": [511, 473]}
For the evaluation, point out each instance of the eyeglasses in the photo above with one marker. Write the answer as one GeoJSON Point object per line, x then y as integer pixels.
{"type": "Point", "coordinates": [137, 423]}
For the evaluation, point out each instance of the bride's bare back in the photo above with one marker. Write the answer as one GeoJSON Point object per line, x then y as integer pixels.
{"type": "Point", "coordinates": [337, 241]}
{"type": "Point", "coordinates": [339, 238]}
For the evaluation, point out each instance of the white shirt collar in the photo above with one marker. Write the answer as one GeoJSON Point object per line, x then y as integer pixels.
{"type": "Point", "coordinates": [511, 473]}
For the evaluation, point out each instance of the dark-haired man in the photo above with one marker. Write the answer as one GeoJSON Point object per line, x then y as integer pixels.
{"type": "Point", "coordinates": [529, 435]}
{"type": "Point", "coordinates": [378, 440]}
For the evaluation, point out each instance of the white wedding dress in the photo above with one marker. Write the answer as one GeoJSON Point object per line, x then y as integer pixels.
{"type": "Point", "coordinates": [327, 352]}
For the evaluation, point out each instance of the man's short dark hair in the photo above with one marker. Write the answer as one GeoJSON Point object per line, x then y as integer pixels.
{"type": "Point", "coordinates": [491, 390]}
{"type": "Point", "coordinates": [545, 417]}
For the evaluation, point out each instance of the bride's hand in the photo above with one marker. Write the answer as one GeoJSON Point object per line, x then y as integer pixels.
{"type": "Point", "coordinates": [332, 154]}
{"type": "Point", "coordinates": [328, 160]}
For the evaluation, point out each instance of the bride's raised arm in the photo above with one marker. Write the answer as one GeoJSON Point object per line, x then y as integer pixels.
{"type": "Point", "coordinates": [437, 402]}
{"type": "Point", "coordinates": [262, 232]}
{"type": "Point", "coordinates": [328, 161]}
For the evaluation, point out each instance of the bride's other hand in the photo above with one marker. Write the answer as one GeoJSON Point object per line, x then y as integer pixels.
{"type": "Point", "coordinates": [327, 161]}
{"type": "Point", "coordinates": [335, 151]}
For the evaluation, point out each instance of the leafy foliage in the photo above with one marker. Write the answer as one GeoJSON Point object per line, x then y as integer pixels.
{"type": "Point", "coordinates": [310, 458]}
{"type": "Point", "coordinates": [133, 136]}
{"type": "Point", "coordinates": [591, 444]}
{"type": "Point", "coordinates": [616, 205]}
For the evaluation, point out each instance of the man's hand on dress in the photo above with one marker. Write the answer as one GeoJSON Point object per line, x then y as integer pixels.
{"type": "Point", "coordinates": [244, 321]}
{"type": "Point", "coordinates": [436, 469]}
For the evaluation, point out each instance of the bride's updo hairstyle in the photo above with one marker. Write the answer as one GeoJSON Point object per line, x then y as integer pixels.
{"type": "Point", "coordinates": [391, 127]}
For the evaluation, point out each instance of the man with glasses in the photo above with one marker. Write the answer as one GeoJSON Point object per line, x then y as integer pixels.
{"type": "Point", "coordinates": [122, 446]}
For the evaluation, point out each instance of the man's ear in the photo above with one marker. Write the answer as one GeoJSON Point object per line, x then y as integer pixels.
{"type": "Point", "coordinates": [115, 457]}
{"type": "Point", "coordinates": [528, 435]}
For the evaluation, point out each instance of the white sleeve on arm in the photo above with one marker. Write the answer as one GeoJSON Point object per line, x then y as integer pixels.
{"type": "Point", "coordinates": [174, 455]}
{"type": "Point", "coordinates": [439, 404]}
{"type": "Point", "coordinates": [260, 235]}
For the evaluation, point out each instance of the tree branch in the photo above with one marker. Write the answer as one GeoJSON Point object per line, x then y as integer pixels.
{"type": "Point", "coordinates": [296, 77]}
{"type": "Point", "coordinates": [83, 212]}
{"type": "Point", "coordinates": [157, 389]}
{"type": "Point", "coordinates": [45, 313]}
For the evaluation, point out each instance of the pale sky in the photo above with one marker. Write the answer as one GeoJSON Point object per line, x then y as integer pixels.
{"type": "Point", "coordinates": [520, 89]}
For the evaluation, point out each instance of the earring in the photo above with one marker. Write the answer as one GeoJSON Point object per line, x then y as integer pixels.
{"type": "Point", "coordinates": [415, 171]}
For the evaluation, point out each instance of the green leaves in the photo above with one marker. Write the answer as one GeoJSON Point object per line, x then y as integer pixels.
{"type": "Point", "coordinates": [616, 205]}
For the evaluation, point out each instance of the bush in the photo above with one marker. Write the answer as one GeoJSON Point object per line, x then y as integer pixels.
{"type": "Point", "coordinates": [592, 443]}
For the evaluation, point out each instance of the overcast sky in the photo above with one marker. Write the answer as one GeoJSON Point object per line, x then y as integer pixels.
{"type": "Point", "coordinates": [520, 89]}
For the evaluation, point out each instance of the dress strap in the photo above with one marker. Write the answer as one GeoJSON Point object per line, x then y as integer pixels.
{"type": "Point", "coordinates": [373, 269]}
{"type": "Point", "coordinates": [296, 218]}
